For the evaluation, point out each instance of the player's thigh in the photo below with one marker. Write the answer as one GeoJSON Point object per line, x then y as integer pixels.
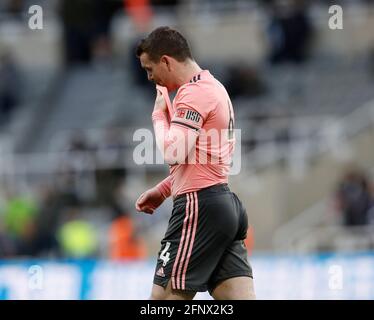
{"type": "Point", "coordinates": [161, 293]}
{"type": "Point", "coordinates": [233, 267]}
{"type": "Point", "coordinates": [237, 288]}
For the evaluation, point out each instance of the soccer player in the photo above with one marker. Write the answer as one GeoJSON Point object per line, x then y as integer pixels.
{"type": "Point", "coordinates": [203, 248]}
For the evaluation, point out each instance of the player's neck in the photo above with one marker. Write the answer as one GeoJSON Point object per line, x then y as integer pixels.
{"type": "Point", "coordinates": [187, 72]}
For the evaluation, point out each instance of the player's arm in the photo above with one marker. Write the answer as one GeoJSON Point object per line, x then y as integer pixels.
{"type": "Point", "coordinates": [165, 95]}
{"type": "Point", "coordinates": [164, 187]}
{"type": "Point", "coordinates": [175, 140]}
{"type": "Point", "coordinates": [177, 137]}
{"type": "Point", "coordinates": [150, 200]}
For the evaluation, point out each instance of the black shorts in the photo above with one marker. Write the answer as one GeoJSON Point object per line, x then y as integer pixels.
{"type": "Point", "coordinates": [204, 242]}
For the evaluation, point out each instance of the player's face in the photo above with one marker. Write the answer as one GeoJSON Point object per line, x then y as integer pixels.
{"type": "Point", "coordinates": [156, 72]}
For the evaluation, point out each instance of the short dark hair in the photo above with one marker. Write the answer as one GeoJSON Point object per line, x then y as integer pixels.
{"type": "Point", "coordinates": [164, 40]}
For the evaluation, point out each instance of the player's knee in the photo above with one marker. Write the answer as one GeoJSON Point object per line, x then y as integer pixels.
{"type": "Point", "coordinates": [158, 293]}
{"type": "Point", "coordinates": [238, 288]}
{"type": "Point", "coordinates": [156, 296]}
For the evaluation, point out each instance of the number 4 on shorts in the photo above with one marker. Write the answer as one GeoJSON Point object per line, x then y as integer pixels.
{"type": "Point", "coordinates": [165, 255]}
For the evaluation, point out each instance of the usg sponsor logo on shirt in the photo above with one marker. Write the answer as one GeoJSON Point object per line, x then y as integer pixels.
{"type": "Point", "coordinates": [188, 115]}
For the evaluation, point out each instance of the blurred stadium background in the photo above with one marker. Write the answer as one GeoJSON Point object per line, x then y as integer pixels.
{"type": "Point", "coordinates": [73, 94]}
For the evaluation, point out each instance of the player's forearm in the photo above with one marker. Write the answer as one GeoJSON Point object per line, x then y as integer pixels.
{"type": "Point", "coordinates": [161, 128]}
{"type": "Point", "coordinates": [174, 142]}
{"type": "Point", "coordinates": [165, 187]}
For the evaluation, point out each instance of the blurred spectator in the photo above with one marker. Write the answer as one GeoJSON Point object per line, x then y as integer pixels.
{"type": "Point", "coordinates": [20, 214]}
{"type": "Point", "coordinates": [86, 26]}
{"type": "Point", "coordinates": [102, 51]}
{"type": "Point", "coordinates": [7, 245]}
{"type": "Point", "coordinates": [77, 237]}
{"type": "Point", "coordinates": [102, 42]}
{"type": "Point", "coordinates": [52, 203]}
{"type": "Point", "coordinates": [72, 171]}
{"type": "Point", "coordinates": [290, 31]}
{"type": "Point", "coordinates": [78, 142]}
{"type": "Point", "coordinates": [14, 8]}
{"type": "Point", "coordinates": [140, 12]}
{"type": "Point", "coordinates": [107, 182]}
{"type": "Point", "coordinates": [243, 81]}
{"type": "Point", "coordinates": [123, 241]}
{"type": "Point", "coordinates": [109, 174]}
{"type": "Point", "coordinates": [9, 86]}
{"type": "Point", "coordinates": [354, 198]}
{"type": "Point", "coordinates": [111, 148]}
{"type": "Point", "coordinates": [78, 18]}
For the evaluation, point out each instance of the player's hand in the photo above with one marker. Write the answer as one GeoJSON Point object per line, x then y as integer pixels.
{"type": "Point", "coordinates": [160, 103]}
{"type": "Point", "coordinates": [149, 201]}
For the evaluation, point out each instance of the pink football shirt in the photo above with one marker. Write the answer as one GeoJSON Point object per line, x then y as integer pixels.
{"type": "Point", "coordinates": [198, 142]}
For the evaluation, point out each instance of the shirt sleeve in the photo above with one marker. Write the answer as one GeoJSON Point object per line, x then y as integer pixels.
{"type": "Point", "coordinates": [173, 140]}
{"type": "Point", "coordinates": [178, 138]}
{"type": "Point", "coordinates": [192, 107]}
{"type": "Point", "coordinates": [165, 94]}
{"type": "Point", "coordinates": [165, 187]}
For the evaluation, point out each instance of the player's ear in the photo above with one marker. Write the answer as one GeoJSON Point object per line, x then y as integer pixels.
{"type": "Point", "coordinates": [166, 61]}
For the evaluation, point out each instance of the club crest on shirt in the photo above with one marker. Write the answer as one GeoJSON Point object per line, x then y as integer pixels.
{"type": "Point", "coordinates": [189, 115]}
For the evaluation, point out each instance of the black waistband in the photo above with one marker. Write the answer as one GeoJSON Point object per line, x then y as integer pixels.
{"type": "Point", "coordinates": [222, 187]}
